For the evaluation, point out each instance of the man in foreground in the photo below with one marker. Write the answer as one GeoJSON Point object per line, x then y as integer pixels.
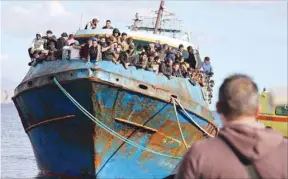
{"type": "Point", "coordinates": [244, 148]}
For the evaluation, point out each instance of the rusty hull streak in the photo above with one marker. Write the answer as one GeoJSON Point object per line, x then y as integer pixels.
{"type": "Point", "coordinates": [184, 102]}
{"type": "Point", "coordinates": [148, 128]}
{"type": "Point", "coordinates": [48, 121]}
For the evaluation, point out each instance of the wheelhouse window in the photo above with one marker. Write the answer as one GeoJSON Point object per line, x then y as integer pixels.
{"type": "Point", "coordinates": [281, 110]}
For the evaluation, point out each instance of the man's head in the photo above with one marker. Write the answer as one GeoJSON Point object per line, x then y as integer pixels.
{"type": "Point", "coordinates": [71, 36]}
{"type": "Point", "coordinates": [89, 41]}
{"type": "Point", "coordinates": [95, 21]}
{"type": "Point", "coordinates": [181, 48]}
{"type": "Point", "coordinates": [207, 60]}
{"type": "Point", "coordinates": [190, 49]}
{"type": "Point", "coordinates": [124, 35]}
{"type": "Point", "coordinates": [38, 35]}
{"type": "Point", "coordinates": [165, 46]}
{"type": "Point", "coordinates": [49, 33]}
{"type": "Point", "coordinates": [102, 40]}
{"type": "Point", "coordinates": [108, 23]}
{"type": "Point", "coordinates": [238, 97]}
{"type": "Point", "coordinates": [116, 32]}
{"type": "Point", "coordinates": [64, 35]}
{"type": "Point", "coordinates": [183, 67]}
{"type": "Point", "coordinates": [176, 66]}
{"type": "Point", "coordinates": [143, 55]}
{"type": "Point", "coordinates": [94, 42]}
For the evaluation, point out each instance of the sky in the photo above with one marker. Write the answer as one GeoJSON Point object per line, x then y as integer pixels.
{"type": "Point", "coordinates": [239, 36]}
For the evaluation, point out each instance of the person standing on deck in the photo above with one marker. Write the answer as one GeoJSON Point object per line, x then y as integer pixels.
{"type": "Point", "coordinates": [191, 58]}
{"type": "Point", "coordinates": [243, 148]}
{"type": "Point", "coordinates": [93, 24]}
{"type": "Point", "coordinates": [108, 25]}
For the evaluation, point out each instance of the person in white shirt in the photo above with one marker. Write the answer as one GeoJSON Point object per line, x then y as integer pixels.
{"type": "Point", "coordinates": [37, 47]}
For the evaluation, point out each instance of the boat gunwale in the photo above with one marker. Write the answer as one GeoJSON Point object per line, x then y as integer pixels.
{"type": "Point", "coordinates": [95, 79]}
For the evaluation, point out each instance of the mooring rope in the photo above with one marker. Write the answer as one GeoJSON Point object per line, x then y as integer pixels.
{"type": "Point", "coordinates": [106, 128]}
{"type": "Point", "coordinates": [179, 126]}
{"type": "Point", "coordinates": [193, 121]}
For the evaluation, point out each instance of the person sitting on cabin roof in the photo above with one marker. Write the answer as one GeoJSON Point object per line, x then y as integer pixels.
{"type": "Point", "coordinates": [94, 53]}
{"type": "Point", "coordinates": [207, 67]}
{"type": "Point", "coordinates": [36, 48]}
{"type": "Point", "coordinates": [166, 67]}
{"type": "Point", "coordinates": [92, 24]}
{"type": "Point", "coordinates": [61, 42]}
{"type": "Point", "coordinates": [84, 51]}
{"type": "Point", "coordinates": [71, 41]}
{"type": "Point", "coordinates": [50, 45]}
{"type": "Point", "coordinates": [176, 70]}
{"type": "Point", "coordinates": [191, 58]}
{"type": "Point", "coordinates": [108, 25]}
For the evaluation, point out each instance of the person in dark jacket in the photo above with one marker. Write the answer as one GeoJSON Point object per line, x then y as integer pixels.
{"type": "Point", "coordinates": [50, 45]}
{"type": "Point", "coordinates": [244, 148]}
{"type": "Point", "coordinates": [166, 68]}
{"type": "Point", "coordinates": [84, 51]}
{"type": "Point", "coordinates": [191, 58]}
{"type": "Point", "coordinates": [61, 42]}
{"type": "Point", "coordinates": [108, 25]}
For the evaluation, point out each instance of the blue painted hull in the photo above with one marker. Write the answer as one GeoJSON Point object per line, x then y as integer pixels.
{"type": "Point", "coordinates": [67, 143]}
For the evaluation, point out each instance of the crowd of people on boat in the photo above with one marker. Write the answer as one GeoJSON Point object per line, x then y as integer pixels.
{"type": "Point", "coordinates": [119, 48]}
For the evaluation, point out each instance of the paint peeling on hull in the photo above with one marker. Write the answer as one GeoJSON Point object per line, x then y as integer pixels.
{"type": "Point", "coordinates": [106, 103]}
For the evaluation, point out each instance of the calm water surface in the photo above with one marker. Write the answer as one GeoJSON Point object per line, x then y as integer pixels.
{"type": "Point", "coordinates": [17, 157]}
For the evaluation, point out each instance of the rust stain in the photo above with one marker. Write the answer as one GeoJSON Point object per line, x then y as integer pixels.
{"type": "Point", "coordinates": [97, 160]}
{"type": "Point", "coordinates": [48, 121]}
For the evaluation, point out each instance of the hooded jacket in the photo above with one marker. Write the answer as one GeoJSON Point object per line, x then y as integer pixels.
{"type": "Point", "coordinates": [264, 148]}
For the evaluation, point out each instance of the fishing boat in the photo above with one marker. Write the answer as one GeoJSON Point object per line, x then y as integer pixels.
{"type": "Point", "coordinates": [105, 121]}
{"type": "Point", "coordinates": [274, 109]}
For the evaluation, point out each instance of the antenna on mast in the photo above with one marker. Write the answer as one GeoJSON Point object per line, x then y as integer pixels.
{"type": "Point", "coordinates": [80, 25]}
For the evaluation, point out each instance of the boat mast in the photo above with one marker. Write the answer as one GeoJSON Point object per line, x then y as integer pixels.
{"type": "Point", "coordinates": [159, 16]}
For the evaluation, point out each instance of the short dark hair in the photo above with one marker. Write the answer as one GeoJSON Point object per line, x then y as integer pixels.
{"type": "Point", "coordinates": [108, 21]}
{"type": "Point", "coordinates": [64, 34]}
{"type": "Point", "coordinates": [189, 48]}
{"type": "Point", "coordinates": [181, 46]}
{"type": "Point", "coordinates": [156, 58]}
{"type": "Point", "coordinates": [238, 96]}
{"type": "Point", "coordinates": [49, 32]}
{"type": "Point", "coordinates": [124, 33]}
